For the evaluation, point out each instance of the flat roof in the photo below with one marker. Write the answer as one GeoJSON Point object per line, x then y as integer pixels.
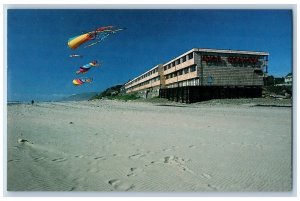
{"type": "Point", "coordinates": [226, 51]}
{"type": "Point", "coordinates": [231, 51]}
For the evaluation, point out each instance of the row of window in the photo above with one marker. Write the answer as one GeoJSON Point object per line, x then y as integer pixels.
{"type": "Point", "coordinates": [168, 66]}
{"type": "Point", "coordinates": [145, 83]}
{"type": "Point", "coordinates": [190, 82]}
{"type": "Point", "coordinates": [181, 72]}
{"type": "Point", "coordinates": [155, 70]}
{"type": "Point", "coordinates": [179, 61]}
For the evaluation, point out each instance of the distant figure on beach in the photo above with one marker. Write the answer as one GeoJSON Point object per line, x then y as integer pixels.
{"type": "Point", "coordinates": [32, 102]}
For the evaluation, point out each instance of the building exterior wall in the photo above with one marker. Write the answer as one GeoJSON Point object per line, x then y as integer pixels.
{"type": "Point", "coordinates": [230, 69]}
{"type": "Point", "coordinates": [288, 80]}
{"type": "Point", "coordinates": [230, 76]}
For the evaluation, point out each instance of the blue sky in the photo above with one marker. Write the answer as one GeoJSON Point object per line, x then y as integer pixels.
{"type": "Point", "coordinates": [38, 60]}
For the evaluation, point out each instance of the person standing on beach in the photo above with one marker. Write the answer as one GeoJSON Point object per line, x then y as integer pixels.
{"type": "Point", "coordinates": [32, 102]}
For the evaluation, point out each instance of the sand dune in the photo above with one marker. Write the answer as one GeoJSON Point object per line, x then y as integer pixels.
{"type": "Point", "coordinates": [133, 146]}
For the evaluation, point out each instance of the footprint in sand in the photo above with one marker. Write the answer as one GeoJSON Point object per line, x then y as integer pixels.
{"type": "Point", "coordinates": [136, 156]}
{"type": "Point", "coordinates": [172, 159]}
{"type": "Point", "coordinates": [100, 158]}
{"type": "Point", "coordinates": [14, 160]}
{"type": "Point", "coordinates": [79, 156]}
{"type": "Point", "coordinates": [212, 187]}
{"type": "Point", "coordinates": [133, 172]}
{"type": "Point", "coordinates": [24, 141]}
{"type": "Point", "coordinates": [167, 149]}
{"type": "Point", "coordinates": [59, 159]}
{"type": "Point", "coordinates": [205, 175]}
{"type": "Point", "coordinates": [151, 163]}
{"type": "Point", "coordinates": [120, 186]}
{"type": "Point", "coordinates": [73, 188]}
{"type": "Point", "coordinates": [177, 162]}
{"type": "Point", "coordinates": [93, 170]}
{"type": "Point", "coordinates": [38, 158]}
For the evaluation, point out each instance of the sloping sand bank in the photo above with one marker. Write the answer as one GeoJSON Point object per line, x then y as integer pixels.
{"type": "Point", "coordinates": [133, 146]}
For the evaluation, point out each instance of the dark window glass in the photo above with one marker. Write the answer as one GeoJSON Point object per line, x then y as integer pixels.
{"type": "Point", "coordinates": [193, 68]}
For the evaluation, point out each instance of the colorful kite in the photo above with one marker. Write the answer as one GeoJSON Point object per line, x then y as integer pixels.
{"type": "Point", "coordinates": [87, 67]}
{"type": "Point", "coordinates": [99, 34]}
{"type": "Point", "coordinates": [80, 81]}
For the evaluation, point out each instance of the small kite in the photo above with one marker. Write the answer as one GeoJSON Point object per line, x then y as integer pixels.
{"type": "Point", "coordinates": [87, 67]}
{"type": "Point", "coordinates": [75, 55]}
{"type": "Point", "coordinates": [80, 81]}
{"type": "Point", "coordinates": [98, 34]}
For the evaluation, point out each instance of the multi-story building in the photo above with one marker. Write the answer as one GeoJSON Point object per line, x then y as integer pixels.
{"type": "Point", "coordinates": [204, 73]}
{"type": "Point", "coordinates": [288, 79]}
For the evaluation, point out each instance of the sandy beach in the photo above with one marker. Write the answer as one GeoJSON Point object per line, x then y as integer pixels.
{"type": "Point", "coordinates": [107, 145]}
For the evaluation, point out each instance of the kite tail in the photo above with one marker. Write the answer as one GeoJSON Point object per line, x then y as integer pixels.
{"type": "Point", "coordinates": [89, 80]}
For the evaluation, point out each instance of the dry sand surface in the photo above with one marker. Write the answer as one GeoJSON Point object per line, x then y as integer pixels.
{"type": "Point", "coordinates": [149, 147]}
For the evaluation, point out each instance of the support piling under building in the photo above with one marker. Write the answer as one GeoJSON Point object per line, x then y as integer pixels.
{"type": "Point", "coordinates": [192, 94]}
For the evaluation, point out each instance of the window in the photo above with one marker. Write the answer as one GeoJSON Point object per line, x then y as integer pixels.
{"type": "Point", "coordinates": [180, 72]}
{"type": "Point", "coordinates": [190, 56]}
{"type": "Point", "coordinates": [186, 70]}
{"type": "Point", "coordinates": [169, 66]}
{"type": "Point", "coordinates": [173, 63]}
{"type": "Point", "coordinates": [183, 59]}
{"type": "Point", "coordinates": [177, 61]}
{"type": "Point", "coordinates": [193, 68]}
{"type": "Point", "coordinates": [165, 68]}
{"type": "Point", "coordinates": [258, 72]}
